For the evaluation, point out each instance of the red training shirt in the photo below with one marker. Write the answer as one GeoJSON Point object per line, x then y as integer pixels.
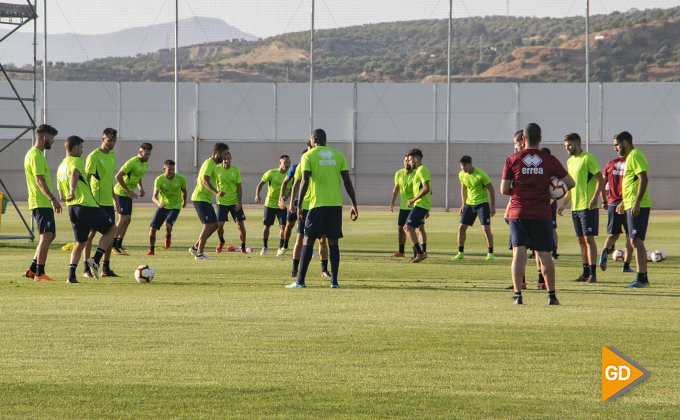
{"type": "Point", "coordinates": [613, 174]}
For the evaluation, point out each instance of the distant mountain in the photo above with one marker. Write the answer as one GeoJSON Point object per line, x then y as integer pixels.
{"type": "Point", "coordinates": [77, 48]}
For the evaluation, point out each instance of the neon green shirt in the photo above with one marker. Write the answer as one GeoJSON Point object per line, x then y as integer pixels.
{"type": "Point", "coordinates": [298, 176]}
{"type": "Point", "coordinates": [170, 190]}
{"type": "Point", "coordinates": [36, 164]}
{"type": "Point", "coordinates": [227, 181]}
{"type": "Point", "coordinates": [83, 195]}
{"type": "Point", "coordinates": [582, 168]}
{"type": "Point", "coordinates": [133, 170]}
{"type": "Point", "coordinates": [636, 162]}
{"type": "Point", "coordinates": [325, 165]}
{"type": "Point", "coordinates": [102, 166]}
{"type": "Point", "coordinates": [475, 183]}
{"type": "Point", "coordinates": [201, 193]}
{"type": "Point", "coordinates": [274, 179]}
{"type": "Point", "coordinates": [405, 182]}
{"type": "Point", "coordinates": [422, 175]}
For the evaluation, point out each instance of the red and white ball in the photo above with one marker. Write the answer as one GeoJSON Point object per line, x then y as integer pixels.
{"type": "Point", "coordinates": [557, 189]}
{"type": "Point", "coordinates": [658, 256]}
{"type": "Point", "coordinates": [618, 255]}
{"type": "Point", "coordinates": [144, 274]}
{"type": "Point", "coordinates": [649, 255]}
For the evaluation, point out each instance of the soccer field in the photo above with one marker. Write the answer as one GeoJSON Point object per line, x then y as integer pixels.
{"type": "Point", "coordinates": [439, 339]}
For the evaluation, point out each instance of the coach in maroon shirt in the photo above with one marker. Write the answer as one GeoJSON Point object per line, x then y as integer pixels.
{"type": "Point", "coordinates": [526, 179]}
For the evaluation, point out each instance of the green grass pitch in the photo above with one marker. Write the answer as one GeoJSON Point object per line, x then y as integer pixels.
{"type": "Point", "coordinates": [439, 339]}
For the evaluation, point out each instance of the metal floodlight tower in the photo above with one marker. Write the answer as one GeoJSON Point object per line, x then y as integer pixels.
{"type": "Point", "coordinates": [17, 15]}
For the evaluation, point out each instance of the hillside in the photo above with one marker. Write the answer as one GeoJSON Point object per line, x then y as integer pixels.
{"type": "Point", "coordinates": [625, 47]}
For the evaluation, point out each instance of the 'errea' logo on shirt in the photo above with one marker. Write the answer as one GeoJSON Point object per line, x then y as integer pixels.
{"type": "Point", "coordinates": [532, 160]}
{"type": "Point", "coordinates": [326, 155]}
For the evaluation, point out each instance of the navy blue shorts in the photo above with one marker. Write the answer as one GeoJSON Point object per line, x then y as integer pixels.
{"type": "Point", "coordinates": [124, 205]}
{"type": "Point", "coordinates": [84, 219]}
{"type": "Point", "coordinates": [470, 213]}
{"type": "Point", "coordinates": [403, 217]}
{"type": "Point", "coordinates": [44, 219]}
{"type": "Point", "coordinates": [224, 211]}
{"type": "Point", "coordinates": [168, 216]}
{"type": "Point", "coordinates": [637, 226]}
{"type": "Point", "coordinates": [416, 217]}
{"type": "Point", "coordinates": [205, 212]}
{"type": "Point", "coordinates": [536, 234]}
{"type": "Point", "coordinates": [324, 221]}
{"type": "Point", "coordinates": [553, 211]}
{"type": "Point", "coordinates": [586, 222]}
{"type": "Point", "coordinates": [616, 223]}
{"type": "Point", "coordinates": [270, 214]}
{"type": "Point", "coordinates": [301, 225]}
{"type": "Point", "coordinates": [291, 217]}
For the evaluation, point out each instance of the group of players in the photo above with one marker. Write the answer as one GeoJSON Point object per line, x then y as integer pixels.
{"type": "Point", "coordinates": [93, 199]}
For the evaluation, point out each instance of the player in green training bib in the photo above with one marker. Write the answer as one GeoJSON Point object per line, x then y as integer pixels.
{"type": "Point", "coordinates": [585, 171]}
{"type": "Point", "coordinates": [83, 211]}
{"type": "Point", "coordinates": [478, 200]}
{"type": "Point", "coordinates": [403, 187]}
{"type": "Point", "coordinates": [273, 178]}
{"type": "Point", "coordinates": [129, 177]}
{"type": "Point", "coordinates": [170, 195]}
{"type": "Point", "coordinates": [636, 203]}
{"type": "Point", "coordinates": [420, 204]}
{"type": "Point", "coordinates": [229, 182]}
{"type": "Point", "coordinates": [41, 201]}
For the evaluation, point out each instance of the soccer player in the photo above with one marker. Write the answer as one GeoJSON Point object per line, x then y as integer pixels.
{"type": "Point", "coordinates": [585, 172]}
{"type": "Point", "coordinates": [202, 198]}
{"type": "Point", "coordinates": [129, 177]}
{"type": "Point", "coordinates": [403, 187]}
{"type": "Point", "coordinates": [420, 204]}
{"type": "Point", "coordinates": [526, 179]}
{"type": "Point", "coordinates": [291, 218]}
{"type": "Point", "coordinates": [479, 200]}
{"type": "Point", "coordinates": [170, 195]}
{"type": "Point", "coordinates": [100, 167]}
{"type": "Point", "coordinates": [636, 203]}
{"type": "Point", "coordinates": [273, 178]}
{"type": "Point", "coordinates": [322, 169]}
{"type": "Point", "coordinates": [229, 182]}
{"type": "Point", "coordinates": [41, 201]}
{"type": "Point", "coordinates": [616, 223]}
{"type": "Point", "coordinates": [83, 210]}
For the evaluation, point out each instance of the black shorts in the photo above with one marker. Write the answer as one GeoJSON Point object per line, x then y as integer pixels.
{"type": "Point", "coordinates": [616, 223]}
{"type": "Point", "coordinates": [324, 221]}
{"type": "Point", "coordinates": [403, 217]}
{"type": "Point", "coordinates": [44, 219]}
{"type": "Point", "coordinates": [274, 213]}
{"type": "Point", "coordinates": [553, 211]}
{"type": "Point", "coordinates": [301, 225]}
{"type": "Point", "coordinates": [124, 205]}
{"type": "Point", "coordinates": [291, 217]}
{"type": "Point", "coordinates": [470, 213]}
{"type": "Point", "coordinates": [224, 211]}
{"type": "Point", "coordinates": [536, 234]}
{"type": "Point", "coordinates": [84, 219]}
{"type": "Point", "coordinates": [637, 226]}
{"type": "Point", "coordinates": [586, 222]}
{"type": "Point", "coordinates": [416, 216]}
{"type": "Point", "coordinates": [205, 212]}
{"type": "Point", "coordinates": [168, 216]}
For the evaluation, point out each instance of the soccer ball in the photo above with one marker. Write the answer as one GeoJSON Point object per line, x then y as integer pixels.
{"type": "Point", "coordinates": [618, 255]}
{"type": "Point", "coordinates": [649, 255]}
{"type": "Point", "coordinates": [658, 256]}
{"type": "Point", "coordinates": [144, 274]}
{"type": "Point", "coordinates": [557, 189]}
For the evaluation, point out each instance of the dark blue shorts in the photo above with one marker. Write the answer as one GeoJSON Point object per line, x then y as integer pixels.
{"type": "Point", "coordinates": [84, 219]}
{"type": "Point", "coordinates": [470, 213]}
{"type": "Point", "coordinates": [553, 211]}
{"type": "Point", "coordinates": [270, 214]}
{"type": "Point", "coordinates": [205, 212]}
{"type": "Point", "coordinates": [586, 222]}
{"type": "Point", "coordinates": [637, 226]}
{"type": "Point", "coordinates": [403, 217]}
{"type": "Point", "coordinates": [324, 221]}
{"type": "Point", "coordinates": [124, 205]}
{"type": "Point", "coordinates": [110, 211]}
{"type": "Point", "coordinates": [291, 217]}
{"type": "Point", "coordinates": [532, 233]}
{"type": "Point", "coordinates": [44, 219]}
{"type": "Point", "coordinates": [168, 216]}
{"type": "Point", "coordinates": [416, 216]}
{"type": "Point", "coordinates": [224, 211]}
{"type": "Point", "coordinates": [301, 225]}
{"type": "Point", "coordinates": [616, 223]}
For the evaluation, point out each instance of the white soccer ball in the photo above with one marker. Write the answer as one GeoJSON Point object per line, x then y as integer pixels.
{"type": "Point", "coordinates": [649, 255]}
{"type": "Point", "coordinates": [618, 255]}
{"type": "Point", "coordinates": [557, 189]}
{"type": "Point", "coordinates": [658, 256]}
{"type": "Point", "coordinates": [144, 274]}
